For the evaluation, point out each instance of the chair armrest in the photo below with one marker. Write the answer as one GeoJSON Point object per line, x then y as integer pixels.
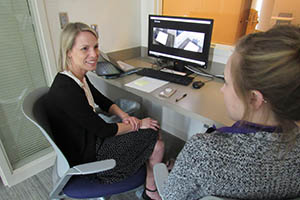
{"type": "Point", "coordinates": [161, 173]}
{"type": "Point", "coordinates": [92, 167]}
{"type": "Point", "coordinates": [84, 169]}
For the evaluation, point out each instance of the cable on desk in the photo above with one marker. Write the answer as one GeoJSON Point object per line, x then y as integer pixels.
{"type": "Point", "coordinates": [160, 63]}
{"type": "Point", "coordinates": [198, 72]}
{"type": "Point", "coordinates": [205, 74]}
{"type": "Point", "coordinates": [194, 75]}
{"type": "Point", "coordinates": [155, 66]}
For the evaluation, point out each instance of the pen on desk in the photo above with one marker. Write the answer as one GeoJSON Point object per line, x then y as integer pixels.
{"type": "Point", "coordinates": [178, 99]}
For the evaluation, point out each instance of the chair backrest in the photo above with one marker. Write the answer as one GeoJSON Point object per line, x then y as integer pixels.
{"type": "Point", "coordinates": [34, 110]}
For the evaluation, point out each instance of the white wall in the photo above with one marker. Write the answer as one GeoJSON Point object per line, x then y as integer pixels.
{"type": "Point", "coordinates": [265, 15]}
{"type": "Point", "coordinates": [119, 21]}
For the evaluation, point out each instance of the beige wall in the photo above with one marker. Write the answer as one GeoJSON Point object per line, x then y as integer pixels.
{"type": "Point", "coordinates": [119, 21]}
{"type": "Point", "coordinates": [147, 7]}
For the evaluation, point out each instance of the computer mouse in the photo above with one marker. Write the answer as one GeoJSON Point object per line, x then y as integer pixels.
{"type": "Point", "coordinates": [198, 84]}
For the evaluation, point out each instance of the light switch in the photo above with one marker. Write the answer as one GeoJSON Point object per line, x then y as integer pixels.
{"type": "Point", "coordinates": [64, 19]}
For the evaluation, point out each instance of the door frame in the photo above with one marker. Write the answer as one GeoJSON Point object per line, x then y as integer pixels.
{"type": "Point", "coordinates": [43, 36]}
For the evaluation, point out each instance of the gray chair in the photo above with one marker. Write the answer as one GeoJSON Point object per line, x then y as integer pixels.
{"type": "Point", "coordinates": [70, 181]}
{"type": "Point", "coordinates": [131, 107]}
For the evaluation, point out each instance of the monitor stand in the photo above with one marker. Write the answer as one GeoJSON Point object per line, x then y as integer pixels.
{"type": "Point", "coordinates": [178, 66]}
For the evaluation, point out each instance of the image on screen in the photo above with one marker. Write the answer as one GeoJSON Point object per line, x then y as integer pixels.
{"type": "Point", "coordinates": [187, 40]}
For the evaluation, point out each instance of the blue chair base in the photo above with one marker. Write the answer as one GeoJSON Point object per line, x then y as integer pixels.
{"type": "Point", "coordinates": [80, 187]}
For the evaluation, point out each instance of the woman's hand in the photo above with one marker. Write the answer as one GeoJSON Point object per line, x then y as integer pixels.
{"type": "Point", "coordinates": [133, 121]}
{"type": "Point", "coordinates": [149, 123]}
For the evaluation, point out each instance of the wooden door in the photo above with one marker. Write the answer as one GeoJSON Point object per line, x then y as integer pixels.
{"type": "Point", "coordinates": [229, 15]}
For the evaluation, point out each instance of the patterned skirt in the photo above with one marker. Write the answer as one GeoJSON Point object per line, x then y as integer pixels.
{"type": "Point", "coordinates": [131, 151]}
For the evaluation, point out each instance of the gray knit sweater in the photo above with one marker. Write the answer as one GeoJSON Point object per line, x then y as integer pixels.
{"type": "Point", "coordinates": [239, 165]}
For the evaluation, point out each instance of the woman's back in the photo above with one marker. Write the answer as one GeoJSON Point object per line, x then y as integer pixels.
{"type": "Point", "coordinates": [251, 165]}
{"type": "Point", "coordinates": [259, 156]}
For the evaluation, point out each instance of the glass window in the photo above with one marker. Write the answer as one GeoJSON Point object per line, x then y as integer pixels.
{"type": "Point", "coordinates": [21, 72]}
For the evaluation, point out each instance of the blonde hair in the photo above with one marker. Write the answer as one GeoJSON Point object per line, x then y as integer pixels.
{"type": "Point", "coordinates": [270, 63]}
{"type": "Point", "coordinates": [67, 39]}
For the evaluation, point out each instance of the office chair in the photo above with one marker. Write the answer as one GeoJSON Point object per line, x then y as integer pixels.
{"type": "Point", "coordinates": [161, 174]}
{"type": "Point", "coordinates": [284, 22]}
{"type": "Point", "coordinates": [67, 181]}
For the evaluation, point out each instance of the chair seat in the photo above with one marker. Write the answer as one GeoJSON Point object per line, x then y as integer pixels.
{"type": "Point", "coordinates": [81, 187]}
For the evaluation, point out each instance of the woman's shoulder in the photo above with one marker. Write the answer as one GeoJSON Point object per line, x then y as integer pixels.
{"type": "Point", "coordinates": [63, 85]}
{"type": "Point", "coordinates": [211, 139]}
{"type": "Point", "coordinates": [260, 145]}
{"type": "Point", "coordinates": [218, 144]}
{"type": "Point", "coordinates": [226, 140]}
{"type": "Point", "coordinates": [62, 79]}
{"type": "Point", "coordinates": [204, 144]}
{"type": "Point", "coordinates": [63, 82]}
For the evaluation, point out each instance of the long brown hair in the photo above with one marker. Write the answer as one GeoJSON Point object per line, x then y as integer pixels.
{"type": "Point", "coordinates": [270, 63]}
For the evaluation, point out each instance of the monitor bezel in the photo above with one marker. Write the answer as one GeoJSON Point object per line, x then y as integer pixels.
{"type": "Point", "coordinates": [186, 24]}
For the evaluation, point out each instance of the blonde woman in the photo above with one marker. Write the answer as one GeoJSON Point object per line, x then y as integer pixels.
{"type": "Point", "coordinates": [80, 133]}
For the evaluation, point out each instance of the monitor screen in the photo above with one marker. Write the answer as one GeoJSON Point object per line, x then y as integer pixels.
{"type": "Point", "coordinates": [182, 39]}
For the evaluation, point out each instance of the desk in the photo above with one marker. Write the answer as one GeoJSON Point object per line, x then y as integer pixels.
{"type": "Point", "coordinates": [199, 104]}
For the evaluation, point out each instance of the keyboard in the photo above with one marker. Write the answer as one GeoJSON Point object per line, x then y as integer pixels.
{"type": "Point", "coordinates": [166, 76]}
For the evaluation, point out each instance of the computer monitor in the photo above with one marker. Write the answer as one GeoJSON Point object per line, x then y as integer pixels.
{"type": "Point", "coordinates": [186, 41]}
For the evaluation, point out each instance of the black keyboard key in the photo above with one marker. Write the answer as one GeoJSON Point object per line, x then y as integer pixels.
{"type": "Point", "coordinates": [166, 76]}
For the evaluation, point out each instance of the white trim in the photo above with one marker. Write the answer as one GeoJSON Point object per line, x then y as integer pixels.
{"type": "Point", "coordinates": [6, 168]}
{"type": "Point", "coordinates": [26, 168]}
{"type": "Point", "coordinates": [40, 20]}
{"type": "Point", "coordinates": [158, 7]}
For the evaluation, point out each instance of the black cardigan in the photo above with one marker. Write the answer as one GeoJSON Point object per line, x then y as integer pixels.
{"type": "Point", "coordinates": [74, 124]}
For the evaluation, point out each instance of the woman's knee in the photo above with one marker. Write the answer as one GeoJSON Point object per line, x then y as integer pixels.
{"type": "Point", "coordinates": [159, 146]}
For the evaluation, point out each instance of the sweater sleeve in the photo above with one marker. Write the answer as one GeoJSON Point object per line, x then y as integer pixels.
{"type": "Point", "coordinates": [102, 101]}
{"type": "Point", "coordinates": [70, 98]}
{"type": "Point", "coordinates": [181, 180]}
{"type": "Point", "coordinates": [201, 168]}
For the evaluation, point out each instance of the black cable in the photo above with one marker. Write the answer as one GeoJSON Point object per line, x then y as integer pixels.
{"type": "Point", "coordinates": [203, 73]}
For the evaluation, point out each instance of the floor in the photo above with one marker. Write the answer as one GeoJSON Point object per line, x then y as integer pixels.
{"type": "Point", "coordinates": [39, 186]}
